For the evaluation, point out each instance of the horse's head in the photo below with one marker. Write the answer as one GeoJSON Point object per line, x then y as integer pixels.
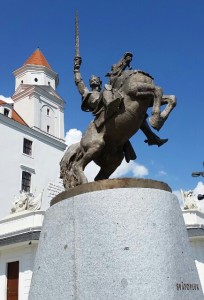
{"type": "Point", "coordinates": [121, 65]}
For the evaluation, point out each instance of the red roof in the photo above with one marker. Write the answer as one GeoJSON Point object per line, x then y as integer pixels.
{"type": "Point", "coordinates": [37, 58]}
{"type": "Point", "coordinates": [17, 118]}
{"type": "Point", "coordinates": [14, 116]}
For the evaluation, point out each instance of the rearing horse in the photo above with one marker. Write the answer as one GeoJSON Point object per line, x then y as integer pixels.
{"type": "Point", "coordinates": [108, 144]}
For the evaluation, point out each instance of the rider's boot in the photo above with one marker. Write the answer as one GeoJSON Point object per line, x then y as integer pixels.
{"type": "Point", "coordinates": [152, 138]}
{"type": "Point", "coordinates": [155, 140]}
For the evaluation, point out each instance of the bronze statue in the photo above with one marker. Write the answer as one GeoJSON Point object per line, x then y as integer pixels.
{"type": "Point", "coordinates": [120, 110]}
{"type": "Point", "coordinates": [109, 99]}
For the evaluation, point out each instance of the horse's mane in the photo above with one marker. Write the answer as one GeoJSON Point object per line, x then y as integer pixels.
{"type": "Point", "coordinates": [127, 73]}
{"type": "Point", "coordinates": [144, 73]}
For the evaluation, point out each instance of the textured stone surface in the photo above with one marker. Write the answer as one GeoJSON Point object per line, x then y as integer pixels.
{"type": "Point", "coordinates": [124, 243]}
{"type": "Point", "coordinates": [111, 184]}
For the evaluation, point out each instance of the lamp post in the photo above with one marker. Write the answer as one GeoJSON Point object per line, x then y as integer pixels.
{"type": "Point", "coordinates": [197, 174]}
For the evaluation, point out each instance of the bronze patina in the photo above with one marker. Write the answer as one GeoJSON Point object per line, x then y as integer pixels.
{"type": "Point", "coordinates": [120, 110]}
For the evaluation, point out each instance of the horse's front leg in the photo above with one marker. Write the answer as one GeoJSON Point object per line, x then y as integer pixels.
{"type": "Point", "coordinates": [170, 101]}
{"type": "Point", "coordinates": [156, 120]}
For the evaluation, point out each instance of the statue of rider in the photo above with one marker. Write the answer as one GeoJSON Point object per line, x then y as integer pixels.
{"type": "Point", "coordinates": [94, 100]}
{"type": "Point", "coordinates": [104, 104]}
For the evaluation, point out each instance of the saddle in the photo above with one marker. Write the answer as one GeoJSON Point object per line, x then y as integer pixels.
{"type": "Point", "coordinates": [108, 105]}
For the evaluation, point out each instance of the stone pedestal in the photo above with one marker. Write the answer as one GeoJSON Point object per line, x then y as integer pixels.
{"type": "Point", "coordinates": [115, 239]}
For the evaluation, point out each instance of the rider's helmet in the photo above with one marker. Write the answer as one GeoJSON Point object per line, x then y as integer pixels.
{"type": "Point", "coordinates": [95, 81]}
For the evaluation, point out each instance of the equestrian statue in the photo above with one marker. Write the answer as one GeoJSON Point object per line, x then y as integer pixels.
{"type": "Point", "coordinates": [119, 110]}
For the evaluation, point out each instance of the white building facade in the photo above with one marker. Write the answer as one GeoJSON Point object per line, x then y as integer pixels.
{"type": "Point", "coordinates": [31, 133]}
{"type": "Point", "coordinates": [194, 220]}
{"type": "Point", "coordinates": [18, 245]}
{"type": "Point", "coordinates": [32, 145]}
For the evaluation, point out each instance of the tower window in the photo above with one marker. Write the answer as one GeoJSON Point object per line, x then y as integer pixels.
{"type": "Point", "coordinates": [21, 81]}
{"type": "Point", "coordinates": [36, 80]}
{"type": "Point", "coordinates": [48, 112]}
{"type": "Point", "coordinates": [6, 112]}
{"type": "Point", "coordinates": [26, 181]}
{"type": "Point", "coordinates": [27, 147]}
{"type": "Point", "coordinates": [48, 128]}
{"type": "Point", "coordinates": [48, 82]}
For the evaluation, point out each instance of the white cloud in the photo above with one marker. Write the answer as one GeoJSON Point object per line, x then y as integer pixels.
{"type": "Point", "coordinates": [131, 168]}
{"type": "Point", "coordinates": [73, 136]}
{"type": "Point", "coordinates": [6, 99]}
{"type": "Point", "coordinates": [161, 173]}
{"type": "Point", "coordinates": [125, 169]}
{"type": "Point", "coordinates": [91, 171]}
{"type": "Point", "coordinates": [199, 189]}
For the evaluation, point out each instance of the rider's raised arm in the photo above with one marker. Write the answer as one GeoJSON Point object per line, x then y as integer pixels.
{"type": "Point", "coordinates": [78, 78]}
{"type": "Point", "coordinates": [79, 83]}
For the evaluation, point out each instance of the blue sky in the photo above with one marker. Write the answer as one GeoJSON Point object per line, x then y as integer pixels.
{"type": "Point", "coordinates": [166, 39]}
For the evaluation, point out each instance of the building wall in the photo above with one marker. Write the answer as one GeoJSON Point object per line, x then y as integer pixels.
{"type": "Point", "coordinates": [25, 254]}
{"type": "Point", "coordinates": [197, 246]}
{"type": "Point", "coordinates": [36, 76]}
{"type": "Point", "coordinates": [55, 119]}
{"type": "Point", "coordinates": [25, 107]}
{"type": "Point", "coordinates": [33, 109]}
{"type": "Point", "coordinates": [43, 164]}
{"type": "Point", "coordinates": [36, 95]}
{"type": "Point", "coordinates": [48, 119]}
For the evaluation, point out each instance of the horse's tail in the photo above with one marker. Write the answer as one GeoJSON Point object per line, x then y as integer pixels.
{"type": "Point", "coordinates": [67, 169]}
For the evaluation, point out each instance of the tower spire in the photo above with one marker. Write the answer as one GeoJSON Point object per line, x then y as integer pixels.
{"type": "Point", "coordinates": [37, 58]}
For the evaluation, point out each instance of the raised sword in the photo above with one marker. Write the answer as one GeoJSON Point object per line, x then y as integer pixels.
{"type": "Point", "coordinates": [77, 54]}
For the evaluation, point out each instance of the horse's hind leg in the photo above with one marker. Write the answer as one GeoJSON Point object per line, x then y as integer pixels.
{"type": "Point", "coordinates": [109, 164]}
{"type": "Point", "coordinates": [69, 171]}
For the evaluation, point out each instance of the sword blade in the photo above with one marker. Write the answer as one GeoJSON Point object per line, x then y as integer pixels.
{"type": "Point", "coordinates": [77, 54]}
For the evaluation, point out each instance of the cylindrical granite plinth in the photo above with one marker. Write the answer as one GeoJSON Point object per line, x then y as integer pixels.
{"type": "Point", "coordinates": [115, 239]}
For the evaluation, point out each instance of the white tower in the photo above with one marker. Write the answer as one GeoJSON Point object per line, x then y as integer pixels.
{"type": "Point", "coordinates": [36, 98]}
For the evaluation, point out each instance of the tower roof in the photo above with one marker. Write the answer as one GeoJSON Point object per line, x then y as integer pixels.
{"type": "Point", "coordinates": [37, 58]}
